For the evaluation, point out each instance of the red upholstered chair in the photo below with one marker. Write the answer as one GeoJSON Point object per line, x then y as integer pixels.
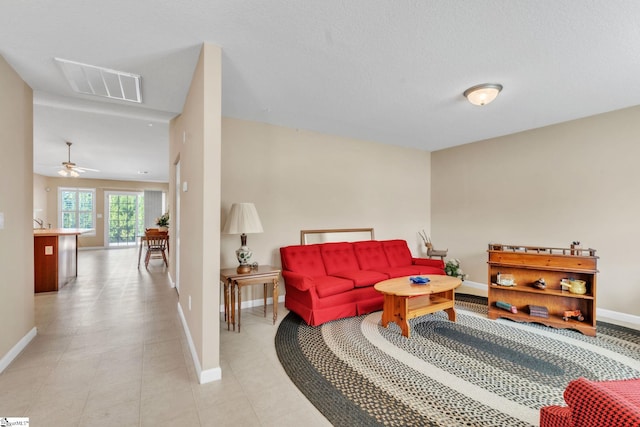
{"type": "Point", "coordinates": [596, 404]}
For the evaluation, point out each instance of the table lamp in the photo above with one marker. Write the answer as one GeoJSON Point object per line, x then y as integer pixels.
{"type": "Point", "coordinates": [243, 218]}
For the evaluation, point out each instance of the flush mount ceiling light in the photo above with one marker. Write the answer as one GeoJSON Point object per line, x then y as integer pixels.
{"type": "Point", "coordinates": [92, 80]}
{"type": "Point", "coordinates": [482, 94]}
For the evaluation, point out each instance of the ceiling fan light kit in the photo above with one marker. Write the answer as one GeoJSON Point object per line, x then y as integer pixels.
{"type": "Point", "coordinates": [482, 94]}
{"type": "Point", "coordinates": [67, 173]}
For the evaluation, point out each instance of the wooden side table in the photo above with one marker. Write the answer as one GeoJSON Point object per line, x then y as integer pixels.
{"type": "Point", "coordinates": [233, 283]}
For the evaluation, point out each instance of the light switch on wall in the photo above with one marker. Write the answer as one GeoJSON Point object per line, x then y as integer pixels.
{"type": "Point", "coordinates": [185, 186]}
{"type": "Point", "coordinates": [1, 220]}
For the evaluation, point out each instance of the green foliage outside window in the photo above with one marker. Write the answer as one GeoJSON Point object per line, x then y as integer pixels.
{"type": "Point", "coordinates": [126, 218]}
{"type": "Point", "coordinates": [77, 208]}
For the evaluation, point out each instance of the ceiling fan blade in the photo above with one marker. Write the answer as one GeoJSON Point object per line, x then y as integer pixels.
{"type": "Point", "coordinates": [83, 169]}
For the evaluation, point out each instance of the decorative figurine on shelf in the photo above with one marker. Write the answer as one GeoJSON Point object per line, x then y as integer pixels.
{"type": "Point", "coordinates": [506, 306]}
{"type": "Point", "coordinates": [430, 251]}
{"type": "Point", "coordinates": [575, 245]}
{"type": "Point", "coordinates": [540, 284]}
{"type": "Point", "coordinates": [505, 280]}
{"type": "Point", "coordinates": [575, 314]}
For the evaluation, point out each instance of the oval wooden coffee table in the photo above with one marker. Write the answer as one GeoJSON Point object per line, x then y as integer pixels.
{"type": "Point", "coordinates": [404, 300]}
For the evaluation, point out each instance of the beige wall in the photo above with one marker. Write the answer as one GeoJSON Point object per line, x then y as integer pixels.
{"type": "Point", "coordinates": [16, 203]}
{"type": "Point", "coordinates": [305, 180]}
{"type": "Point", "coordinates": [549, 186]}
{"type": "Point", "coordinates": [40, 199]}
{"type": "Point", "coordinates": [195, 142]}
{"type": "Point", "coordinates": [45, 197]}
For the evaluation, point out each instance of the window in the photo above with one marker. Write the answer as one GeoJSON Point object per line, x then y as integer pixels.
{"type": "Point", "coordinates": [77, 208]}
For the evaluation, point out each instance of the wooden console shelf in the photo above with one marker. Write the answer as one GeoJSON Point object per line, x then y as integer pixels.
{"type": "Point", "coordinates": [527, 264]}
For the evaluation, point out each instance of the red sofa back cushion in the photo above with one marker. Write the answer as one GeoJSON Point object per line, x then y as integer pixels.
{"type": "Point", "coordinates": [370, 255]}
{"type": "Point", "coordinates": [338, 257]}
{"type": "Point", "coordinates": [398, 253]}
{"type": "Point", "coordinates": [304, 259]}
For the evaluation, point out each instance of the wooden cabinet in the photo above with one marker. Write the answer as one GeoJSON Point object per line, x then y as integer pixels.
{"type": "Point", "coordinates": [528, 264]}
{"type": "Point", "coordinates": [55, 255]}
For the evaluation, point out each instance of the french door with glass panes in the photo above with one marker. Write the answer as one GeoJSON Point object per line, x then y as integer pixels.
{"type": "Point", "coordinates": [124, 220]}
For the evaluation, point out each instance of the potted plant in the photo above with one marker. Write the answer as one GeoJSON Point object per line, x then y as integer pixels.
{"type": "Point", "coordinates": [163, 222]}
{"type": "Point", "coordinates": [452, 268]}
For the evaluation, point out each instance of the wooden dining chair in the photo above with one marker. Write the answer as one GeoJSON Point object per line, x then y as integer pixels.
{"type": "Point", "coordinates": [156, 246]}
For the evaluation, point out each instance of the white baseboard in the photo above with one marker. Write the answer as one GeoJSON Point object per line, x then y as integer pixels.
{"type": "Point", "coordinates": [16, 349]}
{"type": "Point", "coordinates": [208, 375]}
{"type": "Point", "coordinates": [615, 317]}
{"type": "Point", "coordinates": [473, 288]}
{"type": "Point", "coordinates": [610, 316]}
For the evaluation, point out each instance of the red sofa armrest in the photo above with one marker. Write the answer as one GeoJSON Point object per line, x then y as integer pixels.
{"type": "Point", "coordinates": [299, 281]}
{"type": "Point", "coordinates": [603, 403]}
{"type": "Point", "coordinates": [555, 416]}
{"type": "Point", "coordinates": [437, 263]}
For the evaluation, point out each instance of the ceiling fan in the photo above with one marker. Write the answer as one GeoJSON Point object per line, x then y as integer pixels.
{"type": "Point", "coordinates": [71, 169]}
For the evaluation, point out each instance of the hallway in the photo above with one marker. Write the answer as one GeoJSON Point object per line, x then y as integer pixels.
{"type": "Point", "coordinates": [111, 350]}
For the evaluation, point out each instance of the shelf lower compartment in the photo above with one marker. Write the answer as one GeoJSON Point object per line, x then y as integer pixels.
{"type": "Point", "coordinates": [548, 291]}
{"type": "Point", "coordinates": [553, 321]}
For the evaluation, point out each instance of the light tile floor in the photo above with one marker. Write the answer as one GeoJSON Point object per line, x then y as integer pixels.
{"type": "Point", "coordinates": [111, 351]}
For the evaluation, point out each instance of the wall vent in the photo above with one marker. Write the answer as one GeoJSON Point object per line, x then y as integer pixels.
{"type": "Point", "coordinates": [92, 80]}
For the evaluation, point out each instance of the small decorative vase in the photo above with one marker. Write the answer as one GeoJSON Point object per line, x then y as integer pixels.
{"type": "Point", "coordinates": [163, 228]}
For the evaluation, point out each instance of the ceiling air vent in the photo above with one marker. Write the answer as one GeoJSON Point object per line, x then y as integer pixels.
{"type": "Point", "coordinates": [99, 81]}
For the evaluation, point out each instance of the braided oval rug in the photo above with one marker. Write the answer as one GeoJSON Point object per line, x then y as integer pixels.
{"type": "Point", "coordinates": [474, 372]}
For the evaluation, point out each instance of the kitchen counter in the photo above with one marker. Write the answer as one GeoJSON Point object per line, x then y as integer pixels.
{"type": "Point", "coordinates": [60, 231]}
{"type": "Point", "coordinates": [55, 257]}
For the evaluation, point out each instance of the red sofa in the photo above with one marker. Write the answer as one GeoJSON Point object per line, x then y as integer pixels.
{"type": "Point", "coordinates": [329, 281]}
{"type": "Point", "coordinates": [596, 404]}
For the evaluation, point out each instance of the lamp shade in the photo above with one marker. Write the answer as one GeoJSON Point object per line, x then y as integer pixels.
{"type": "Point", "coordinates": [243, 218]}
{"type": "Point", "coordinates": [483, 94]}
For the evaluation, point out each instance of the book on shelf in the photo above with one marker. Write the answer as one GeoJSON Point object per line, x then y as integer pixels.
{"type": "Point", "coordinates": [538, 311]}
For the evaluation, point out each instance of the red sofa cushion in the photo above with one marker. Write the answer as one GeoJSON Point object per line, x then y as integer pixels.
{"type": "Point", "coordinates": [340, 260]}
{"type": "Point", "coordinates": [407, 270]}
{"type": "Point", "coordinates": [362, 278]}
{"type": "Point", "coordinates": [370, 255]}
{"type": "Point", "coordinates": [329, 285]}
{"type": "Point", "coordinates": [305, 259]}
{"type": "Point", "coordinates": [423, 269]}
{"type": "Point", "coordinates": [428, 262]}
{"type": "Point", "coordinates": [338, 257]}
{"type": "Point", "coordinates": [397, 252]}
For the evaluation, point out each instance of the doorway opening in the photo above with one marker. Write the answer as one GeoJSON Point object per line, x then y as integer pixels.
{"type": "Point", "coordinates": [124, 220]}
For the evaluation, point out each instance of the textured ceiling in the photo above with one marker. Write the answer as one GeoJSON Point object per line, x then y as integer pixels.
{"type": "Point", "coordinates": [387, 71]}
